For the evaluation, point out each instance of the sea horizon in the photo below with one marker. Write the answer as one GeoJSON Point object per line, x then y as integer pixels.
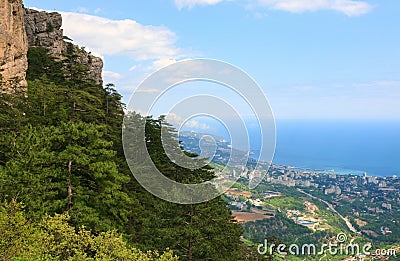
{"type": "Point", "coordinates": [339, 146]}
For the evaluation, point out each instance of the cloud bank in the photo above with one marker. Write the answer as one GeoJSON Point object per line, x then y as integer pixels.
{"type": "Point", "coordinates": [126, 38]}
{"type": "Point", "coordinates": [347, 7]}
{"type": "Point", "coordinates": [192, 3]}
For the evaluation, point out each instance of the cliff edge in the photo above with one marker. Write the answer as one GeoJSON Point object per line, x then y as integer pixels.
{"type": "Point", "coordinates": [22, 28]}
{"type": "Point", "coordinates": [43, 29]}
{"type": "Point", "coordinates": [13, 43]}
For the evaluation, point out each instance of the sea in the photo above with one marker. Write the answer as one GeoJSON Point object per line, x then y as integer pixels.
{"type": "Point", "coordinates": [337, 146]}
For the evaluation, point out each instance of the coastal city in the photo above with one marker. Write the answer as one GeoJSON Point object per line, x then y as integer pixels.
{"type": "Point", "coordinates": [167, 130]}
{"type": "Point", "coordinates": [320, 202]}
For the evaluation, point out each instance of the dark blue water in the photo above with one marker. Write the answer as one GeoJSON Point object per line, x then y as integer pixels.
{"type": "Point", "coordinates": [346, 146]}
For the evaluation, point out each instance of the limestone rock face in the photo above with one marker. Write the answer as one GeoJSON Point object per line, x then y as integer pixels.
{"type": "Point", "coordinates": [21, 29]}
{"type": "Point", "coordinates": [13, 44]}
{"type": "Point", "coordinates": [43, 29]}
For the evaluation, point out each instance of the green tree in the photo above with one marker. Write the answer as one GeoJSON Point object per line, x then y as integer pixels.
{"type": "Point", "coordinates": [203, 231]}
{"type": "Point", "coordinates": [40, 64]}
{"type": "Point", "coordinates": [67, 167]}
{"type": "Point", "coordinates": [12, 109]}
{"type": "Point", "coordinates": [60, 90]}
{"type": "Point", "coordinates": [53, 238]}
{"type": "Point", "coordinates": [17, 234]}
{"type": "Point", "coordinates": [62, 153]}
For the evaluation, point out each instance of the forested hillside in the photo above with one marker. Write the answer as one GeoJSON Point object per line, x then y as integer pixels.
{"type": "Point", "coordinates": [65, 188]}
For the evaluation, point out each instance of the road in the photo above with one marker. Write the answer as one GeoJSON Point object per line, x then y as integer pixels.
{"type": "Point", "coordinates": [330, 206]}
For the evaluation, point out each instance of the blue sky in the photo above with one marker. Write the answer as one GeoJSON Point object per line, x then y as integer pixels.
{"type": "Point", "coordinates": [320, 59]}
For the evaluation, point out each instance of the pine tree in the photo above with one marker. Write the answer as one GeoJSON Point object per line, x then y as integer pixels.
{"type": "Point", "coordinates": [203, 231]}
{"type": "Point", "coordinates": [67, 168]}
{"type": "Point", "coordinates": [62, 151]}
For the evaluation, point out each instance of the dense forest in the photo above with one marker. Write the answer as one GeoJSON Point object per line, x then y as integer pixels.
{"type": "Point", "coordinates": [66, 190]}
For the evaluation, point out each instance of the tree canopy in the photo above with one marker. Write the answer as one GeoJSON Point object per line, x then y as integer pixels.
{"type": "Point", "coordinates": [61, 157]}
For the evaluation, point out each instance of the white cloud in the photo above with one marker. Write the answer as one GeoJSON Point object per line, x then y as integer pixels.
{"type": "Point", "coordinates": [112, 75]}
{"type": "Point", "coordinates": [348, 7]}
{"type": "Point", "coordinates": [177, 121]}
{"type": "Point", "coordinates": [82, 10]}
{"type": "Point", "coordinates": [191, 3]}
{"type": "Point", "coordinates": [158, 64]}
{"type": "Point", "coordinates": [386, 88]}
{"type": "Point", "coordinates": [121, 37]}
{"type": "Point", "coordinates": [149, 90]}
{"type": "Point", "coordinates": [97, 10]}
{"type": "Point", "coordinates": [134, 67]}
{"type": "Point", "coordinates": [389, 83]}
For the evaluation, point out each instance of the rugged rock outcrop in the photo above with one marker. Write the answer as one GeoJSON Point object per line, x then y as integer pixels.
{"type": "Point", "coordinates": [43, 29]}
{"type": "Point", "coordinates": [13, 43]}
{"type": "Point", "coordinates": [21, 29]}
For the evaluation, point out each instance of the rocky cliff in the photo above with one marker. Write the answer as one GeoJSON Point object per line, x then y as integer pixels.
{"type": "Point", "coordinates": [13, 43]}
{"type": "Point", "coordinates": [21, 29]}
{"type": "Point", "coordinates": [43, 29]}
